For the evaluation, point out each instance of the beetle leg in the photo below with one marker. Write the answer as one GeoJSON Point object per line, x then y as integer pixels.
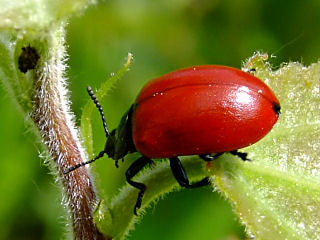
{"type": "Point", "coordinates": [181, 176]}
{"type": "Point", "coordinates": [209, 157]}
{"type": "Point", "coordinates": [241, 155]}
{"type": "Point", "coordinates": [134, 168]}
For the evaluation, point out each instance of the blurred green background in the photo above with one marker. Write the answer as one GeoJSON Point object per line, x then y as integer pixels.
{"type": "Point", "coordinates": [163, 35]}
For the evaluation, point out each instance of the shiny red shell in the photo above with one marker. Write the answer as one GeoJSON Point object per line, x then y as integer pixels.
{"type": "Point", "coordinates": [200, 110]}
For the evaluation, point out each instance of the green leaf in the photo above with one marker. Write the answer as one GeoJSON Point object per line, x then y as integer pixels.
{"type": "Point", "coordinates": [33, 15]}
{"type": "Point", "coordinates": [277, 195]}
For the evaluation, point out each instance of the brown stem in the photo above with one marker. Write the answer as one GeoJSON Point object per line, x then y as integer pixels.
{"type": "Point", "coordinates": [52, 116]}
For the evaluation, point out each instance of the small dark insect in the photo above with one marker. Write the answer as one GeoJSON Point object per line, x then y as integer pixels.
{"type": "Point", "coordinates": [28, 59]}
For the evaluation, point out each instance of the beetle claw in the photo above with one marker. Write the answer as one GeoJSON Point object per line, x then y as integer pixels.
{"type": "Point", "coordinates": [241, 155]}
{"type": "Point", "coordinates": [151, 163]}
{"type": "Point", "coordinates": [138, 203]}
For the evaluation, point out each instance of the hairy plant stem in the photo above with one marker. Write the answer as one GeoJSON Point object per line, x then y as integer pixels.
{"type": "Point", "coordinates": [51, 114]}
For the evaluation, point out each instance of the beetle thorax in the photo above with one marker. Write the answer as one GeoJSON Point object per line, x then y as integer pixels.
{"type": "Point", "coordinates": [119, 142]}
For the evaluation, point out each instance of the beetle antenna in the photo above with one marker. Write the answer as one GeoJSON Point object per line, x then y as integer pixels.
{"type": "Point", "coordinates": [70, 169]}
{"type": "Point", "coordinates": [98, 105]}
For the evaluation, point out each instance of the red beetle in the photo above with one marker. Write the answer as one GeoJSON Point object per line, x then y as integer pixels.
{"type": "Point", "coordinates": [204, 110]}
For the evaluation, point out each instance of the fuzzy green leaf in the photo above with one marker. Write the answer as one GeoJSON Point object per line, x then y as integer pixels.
{"type": "Point", "coordinates": [32, 15]}
{"type": "Point", "coordinates": [277, 195]}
